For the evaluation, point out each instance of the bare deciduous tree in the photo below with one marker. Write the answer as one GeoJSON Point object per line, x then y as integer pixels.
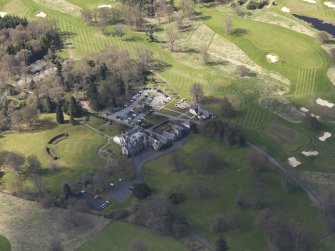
{"type": "Point", "coordinates": [119, 31]}
{"type": "Point", "coordinates": [207, 161]}
{"type": "Point", "coordinates": [199, 190]}
{"type": "Point", "coordinates": [87, 16]}
{"type": "Point", "coordinates": [136, 245]}
{"type": "Point", "coordinates": [218, 224]}
{"type": "Point", "coordinates": [196, 92]}
{"type": "Point", "coordinates": [228, 25]}
{"type": "Point", "coordinates": [204, 54]}
{"type": "Point", "coordinates": [176, 162]}
{"type": "Point", "coordinates": [172, 37]}
{"type": "Point", "coordinates": [240, 199]}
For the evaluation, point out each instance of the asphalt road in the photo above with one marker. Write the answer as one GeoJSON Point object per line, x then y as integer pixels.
{"type": "Point", "coordinates": [283, 169]}
{"type": "Point", "coordinates": [120, 191]}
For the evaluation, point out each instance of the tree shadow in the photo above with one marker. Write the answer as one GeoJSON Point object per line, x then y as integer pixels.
{"type": "Point", "coordinates": [239, 32]}
{"type": "Point", "coordinates": [219, 62]}
{"type": "Point", "coordinates": [68, 34]}
{"type": "Point", "coordinates": [133, 39]}
{"type": "Point", "coordinates": [188, 50]}
{"type": "Point", "coordinates": [45, 124]}
{"type": "Point", "coordinates": [160, 66]}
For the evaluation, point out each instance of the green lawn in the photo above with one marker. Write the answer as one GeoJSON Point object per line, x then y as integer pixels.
{"type": "Point", "coordinates": [302, 60]}
{"type": "Point", "coordinates": [318, 10]}
{"type": "Point", "coordinates": [4, 244]}
{"type": "Point", "coordinates": [118, 235]}
{"type": "Point", "coordinates": [224, 185]}
{"type": "Point", "coordinates": [78, 153]}
{"type": "Point", "coordinates": [91, 4]}
{"type": "Point", "coordinates": [110, 130]}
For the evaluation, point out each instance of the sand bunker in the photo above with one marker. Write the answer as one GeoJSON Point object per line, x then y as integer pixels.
{"type": "Point", "coordinates": [3, 14]}
{"type": "Point", "coordinates": [325, 136]}
{"type": "Point", "coordinates": [273, 58]}
{"type": "Point", "coordinates": [329, 4]}
{"type": "Point", "coordinates": [41, 14]}
{"type": "Point", "coordinates": [304, 109]}
{"type": "Point", "coordinates": [310, 153]}
{"type": "Point", "coordinates": [105, 6]}
{"type": "Point", "coordinates": [323, 102]}
{"type": "Point", "coordinates": [310, 1]}
{"type": "Point", "coordinates": [285, 9]}
{"type": "Point", "coordinates": [293, 162]}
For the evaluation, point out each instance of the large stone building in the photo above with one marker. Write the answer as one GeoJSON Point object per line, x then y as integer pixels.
{"type": "Point", "coordinates": [161, 136]}
{"type": "Point", "coordinates": [133, 141]}
{"type": "Point", "coordinates": [200, 112]}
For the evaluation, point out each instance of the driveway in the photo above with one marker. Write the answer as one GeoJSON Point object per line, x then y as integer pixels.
{"type": "Point", "coordinates": [120, 191]}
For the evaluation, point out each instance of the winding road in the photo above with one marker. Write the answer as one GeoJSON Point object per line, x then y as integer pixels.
{"type": "Point", "coordinates": [120, 191]}
{"type": "Point", "coordinates": [286, 171]}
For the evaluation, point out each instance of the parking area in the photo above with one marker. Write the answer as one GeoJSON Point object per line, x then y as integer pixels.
{"type": "Point", "coordinates": [136, 111]}
{"type": "Point", "coordinates": [93, 201]}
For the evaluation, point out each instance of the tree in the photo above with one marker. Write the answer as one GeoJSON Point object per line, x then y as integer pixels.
{"type": "Point", "coordinates": [14, 160]}
{"type": "Point", "coordinates": [119, 31]}
{"type": "Point", "coordinates": [221, 244]}
{"type": "Point", "coordinates": [72, 110]}
{"type": "Point", "coordinates": [288, 183]}
{"type": "Point", "coordinates": [59, 115]}
{"type": "Point", "coordinates": [136, 245]}
{"type": "Point", "coordinates": [67, 191]}
{"type": "Point", "coordinates": [332, 53]}
{"type": "Point", "coordinates": [196, 92]}
{"type": "Point", "coordinates": [101, 179]}
{"type": "Point", "coordinates": [228, 25]}
{"type": "Point", "coordinates": [180, 21]}
{"type": "Point", "coordinates": [313, 122]}
{"type": "Point", "coordinates": [227, 108]}
{"type": "Point", "coordinates": [207, 161]}
{"type": "Point", "coordinates": [243, 71]}
{"type": "Point", "coordinates": [232, 219]}
{"type": "Point", "coordinates": [34, 171]}
{"type": "Point", "coordinates": [323, 37]}
{"type": "Point", "coordinates": [176, 198]}
{"type": "Point", "coordinates": [172, 37]}
{"type": "Point", "coordinates": [187, 7]}
{"type": "Point", "coordinates": [176, 162]}
{"type": "Point", "coordinates": [204, 53]}
{"type": "Point", "coordinates": [198, 190]}
{"type": "Point", "coordinates": [218, 224]}
{"type": "Point", "coordinates": [259, 191]}
{"type": "Point", "coordinates": [240, 199]}
{"type": "Point", "coordinates": [327, 210]}
{"type": "Point", "coordinates": [29, 113]}
{"type": "Point", "coordinates": [15, 118]}
{"type": "Point", "coordinates": [56, 246]}
{"type": "Point", "coordinates": [142, 191]}
{"type": "Point", "coordinates": [256, 163]}
{"type": "Point", "coordinates": [87, 16]}
{"type": "Point", "coordinates": [155, 213]}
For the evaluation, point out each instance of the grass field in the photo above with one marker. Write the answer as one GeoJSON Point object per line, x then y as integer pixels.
{"type": "Point", "coordinates": [92, 3]}
{"type": "Point", "coordinates": [4, 244]}
{"type": "Point", "coordinates": [224, 185]}
{"type": "Point", "coordinates": [29, 226]}
{"type": "Point", "coordinates": [302, 60]}
{"type": "Point", "coordinates": [123, 233]}
{"type": "Point", "coordinates": [317, 10]}
{"type": "Point", "coordinates": [78, 153]}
